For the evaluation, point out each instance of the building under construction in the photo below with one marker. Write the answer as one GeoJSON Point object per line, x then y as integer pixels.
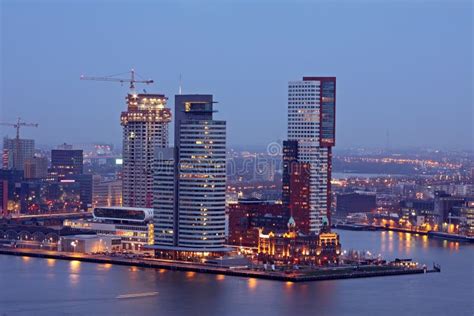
{"type": "Point", "coordinates": [145, 128]}
{"type": "Point", "coordinates": [17, 152]}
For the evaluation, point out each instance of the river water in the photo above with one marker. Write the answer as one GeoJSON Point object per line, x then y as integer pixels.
{"type": "Point", "coordinates": [31, 286]}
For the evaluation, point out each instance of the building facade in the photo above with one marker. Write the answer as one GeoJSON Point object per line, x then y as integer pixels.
{"type": "Point", "coordinates": [198, 169]}
{"type": "Point", "coordinates": [311, 123]}
{"type": "Point", "coordinates": [66, 162]}
{"type": "Point", "coordinates": [134, 226]}
{"type": "Point", "coordinates": [145, 128]}
{"type": "Point", "coordinates": [247, 217]}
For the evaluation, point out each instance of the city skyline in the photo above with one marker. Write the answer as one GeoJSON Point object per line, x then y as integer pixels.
{"type": "Point", "coordinates": [389, 65]}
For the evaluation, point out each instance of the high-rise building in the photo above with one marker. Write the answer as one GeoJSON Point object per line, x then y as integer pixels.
{"type": "Point", "coordinates": [66, 162]}
{"type": "Point", "coordinates": [145, 128]}
{"type": "Point", "coordinates": [17, 152]}
{"type": "Point", "coordinates": [311, 123]}
{"type": "Point", "coordinates": [191, 181]}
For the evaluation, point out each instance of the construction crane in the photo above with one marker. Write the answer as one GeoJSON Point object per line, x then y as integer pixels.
{"type": "Point", "coordinates": [130, 80]}
{"type": "Point", "coordinates": [18, 125]}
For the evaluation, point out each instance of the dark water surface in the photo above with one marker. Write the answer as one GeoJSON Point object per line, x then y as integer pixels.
{"type": "Point", "coordinates": [31, 286]}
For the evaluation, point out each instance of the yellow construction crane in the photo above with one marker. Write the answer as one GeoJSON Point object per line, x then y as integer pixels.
{"type": "Point", "coordinates": [130, 80]}
{"type": "Point", "coordinates": [18, 125]}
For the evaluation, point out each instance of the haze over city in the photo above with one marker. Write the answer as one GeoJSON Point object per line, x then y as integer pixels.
{"type": "Point", "coordinates": [403, 68]}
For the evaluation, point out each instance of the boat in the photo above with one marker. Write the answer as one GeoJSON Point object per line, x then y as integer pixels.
{"type": "Point", "coordinates": [136, 295]}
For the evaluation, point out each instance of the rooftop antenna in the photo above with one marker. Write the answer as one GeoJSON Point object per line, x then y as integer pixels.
{"type": "Point", "coordinates": [180, 89]}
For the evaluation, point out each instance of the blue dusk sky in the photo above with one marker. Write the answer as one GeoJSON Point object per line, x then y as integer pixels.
{"type": "Point", "coordinates": [403, 67]}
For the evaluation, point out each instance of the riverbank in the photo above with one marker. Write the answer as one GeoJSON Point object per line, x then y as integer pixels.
{"type": "Point", "coordinates": [344, 272]}
{"type": "Point", "coordinates": [430, 234]}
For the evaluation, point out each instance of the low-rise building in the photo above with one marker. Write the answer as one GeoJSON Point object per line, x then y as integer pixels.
{"type": "Point", "coordinates": [133, 225]}
{"type": "Point", "coordinates": [89, 243]}
{"type": "Point", "coordinates": [294, 247]}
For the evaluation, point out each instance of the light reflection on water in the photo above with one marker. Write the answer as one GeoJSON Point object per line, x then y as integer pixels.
{"type": "Point", "coordinates": [74, 266]}
{"type": "Point", "coordinates": [252, 283]}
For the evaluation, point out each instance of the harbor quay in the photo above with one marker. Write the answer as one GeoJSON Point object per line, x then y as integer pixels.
{"type": "Point", "coordinates": [397, 267]}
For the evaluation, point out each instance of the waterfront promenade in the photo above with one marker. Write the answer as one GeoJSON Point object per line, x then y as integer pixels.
{"type": "Point", "coordinates": [343, 272]}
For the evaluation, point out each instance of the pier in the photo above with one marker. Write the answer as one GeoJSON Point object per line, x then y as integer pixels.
{"type": "Point", "coordinates": [330, 273]}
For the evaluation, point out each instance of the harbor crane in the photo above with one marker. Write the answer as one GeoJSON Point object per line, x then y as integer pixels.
{"type": "Point", "coordinates": [19, 123]}
{"type": "Point", "coordinates": [112, 78]}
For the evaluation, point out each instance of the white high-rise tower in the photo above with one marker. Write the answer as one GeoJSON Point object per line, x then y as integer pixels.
{"type": "Point", "coordinates": [190, 211]}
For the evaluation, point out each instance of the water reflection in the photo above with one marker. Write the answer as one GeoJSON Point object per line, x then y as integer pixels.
{"type": "Point", "coordinates": [51, 262]}
{"type": "Point", "coordinates": [252, 283]}
{"type": "Point", "coordinates": [424, 242]}
{"type": "Point", "coordinates": [220, 277]}
{"type": "Point", "coordinates": [390, 241]}
{"type": "Point", "coordinates": [74, 266]}
{"type": "Point", "coordinates": [190, 274]}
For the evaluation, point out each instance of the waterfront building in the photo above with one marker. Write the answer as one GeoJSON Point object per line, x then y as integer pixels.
{"type": "Point", "coordinates": [247, 217]}
{"type": "Point", "coordinates": [293, 247]}
{"type": "Point", "coordinates": [17, 152]}
{"type": "Point", "coordinates": [467, 219]}
{"type": "Point", "coordinates": [134, 226]}
{"type": "Point", "coordinates": [418, 213]}
{"type": "Point", "coordinates": [190, 181]}
{"type": "Point", "coordinates": [145, 128]}
{"type": "Point", "coordinates": [164, 198]}
{"type": "Point", "coordinates": [443, 208]}
{"type": "Point", "coordinates": [311, 123]}
{"type": "Point", "coordinates": [89, 244]}
{"type": "Point", "coordinates": [66, 162]}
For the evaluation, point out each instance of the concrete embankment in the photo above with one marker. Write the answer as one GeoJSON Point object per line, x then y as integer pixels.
{"type": "Point", "coordinates": [303, 276]}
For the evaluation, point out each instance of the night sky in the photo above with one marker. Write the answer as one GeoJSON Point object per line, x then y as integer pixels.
{"type": "Point", "coordinates": [403, 67]}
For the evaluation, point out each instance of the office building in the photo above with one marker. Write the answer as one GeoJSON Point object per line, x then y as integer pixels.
{"type": "Point", "coordinates": [311, 123]}
{"type": "Point", "coordinates": [196, 196]}
{"type": "Point", "coordinates": [16, 152]}
{"type": "Point", "coordinates": [145, 128]}
{"type": "Point", "coordinates": [66, 162]}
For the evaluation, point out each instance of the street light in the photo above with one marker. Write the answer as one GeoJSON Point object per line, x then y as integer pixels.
{"type": "Point", "coordinates": [73, 244]}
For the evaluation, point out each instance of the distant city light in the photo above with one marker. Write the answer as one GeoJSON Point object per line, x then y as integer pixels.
{"type": "Point", "coordinates": [119, 161]}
